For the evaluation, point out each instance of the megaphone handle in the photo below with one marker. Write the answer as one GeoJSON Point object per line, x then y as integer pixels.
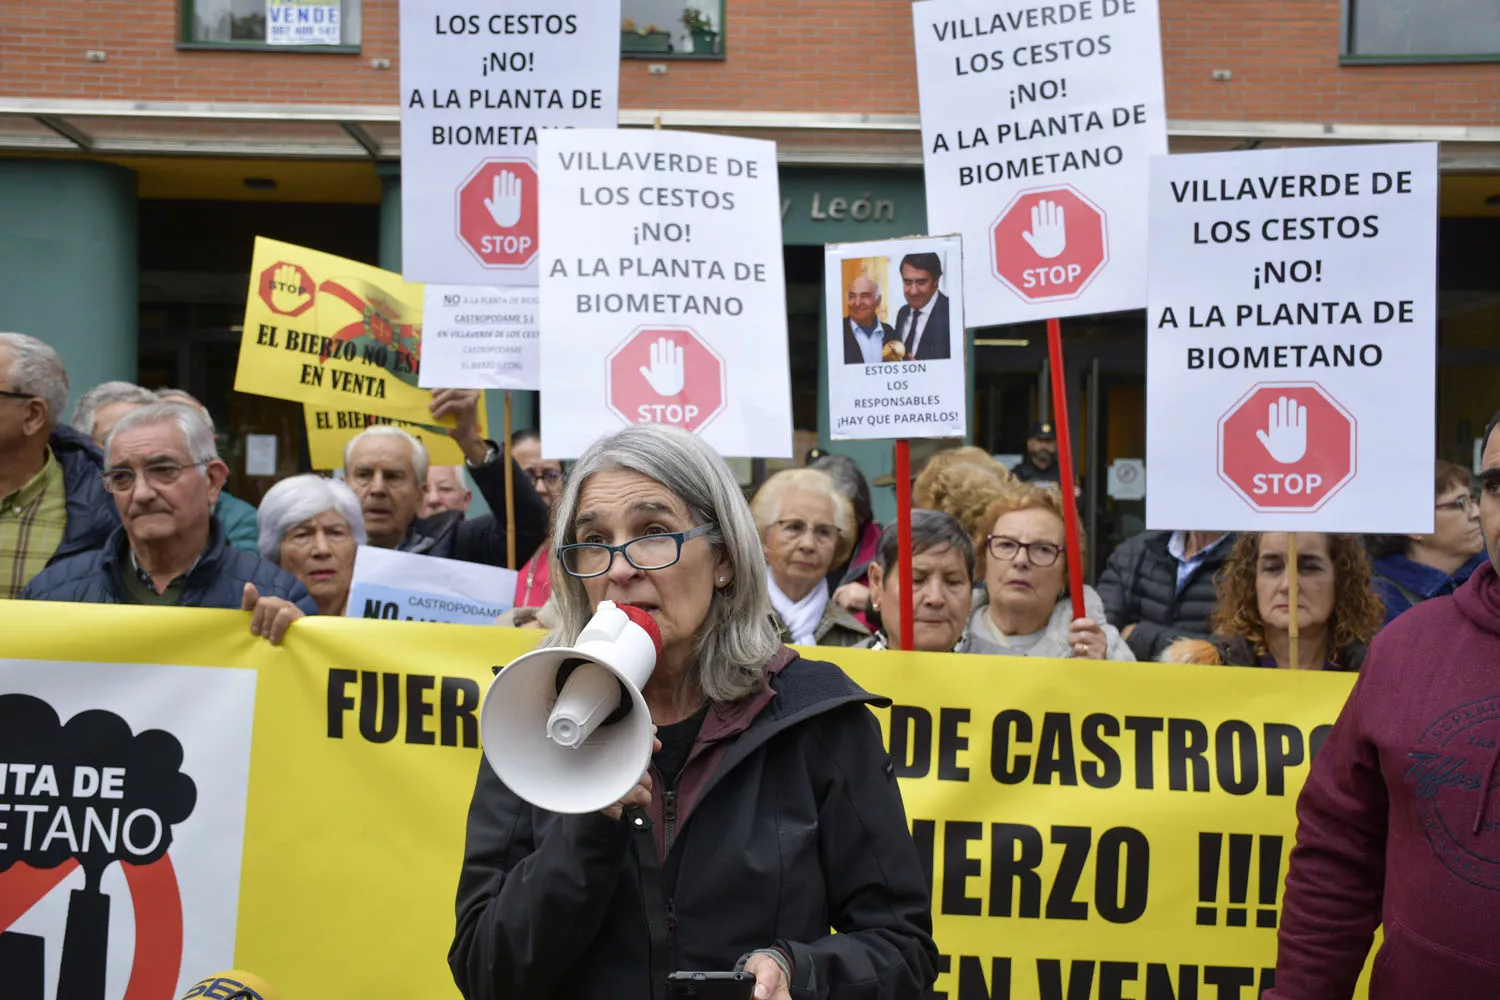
{"type": "Point", "coordinates": [655, 898]}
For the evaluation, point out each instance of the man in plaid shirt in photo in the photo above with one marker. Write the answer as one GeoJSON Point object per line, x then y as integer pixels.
{"type": "Point", "coordinates": [52, 503]}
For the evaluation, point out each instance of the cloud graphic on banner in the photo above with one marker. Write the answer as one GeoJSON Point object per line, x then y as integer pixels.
{"type": "Point", "coordinates": [88, 790]}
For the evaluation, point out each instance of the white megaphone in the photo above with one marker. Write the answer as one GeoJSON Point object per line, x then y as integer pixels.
{"type": "Point", "coordinates": [566, 728]}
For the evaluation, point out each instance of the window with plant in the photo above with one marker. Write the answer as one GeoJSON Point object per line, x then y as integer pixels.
{"type": "Point", "coordinates": [672, 28]}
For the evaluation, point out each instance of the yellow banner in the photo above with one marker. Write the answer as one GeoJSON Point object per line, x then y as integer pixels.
{"type": "Point", "coordinates": [333, 333]}
{"type": "Point", "coordinates": [329, 430]}
{"type": "Point", "coordinates": [1091, 829]}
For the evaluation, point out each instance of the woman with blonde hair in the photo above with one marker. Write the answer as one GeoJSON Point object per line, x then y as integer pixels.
{"type": "Point", "coordinates": [1024, 563]}
{"type": "Point", "coordinates": [807, 527]}
{"type": "Point", "coordinates": [1337, 614]}
{"type": "Point", "coordinates": [962, 482]}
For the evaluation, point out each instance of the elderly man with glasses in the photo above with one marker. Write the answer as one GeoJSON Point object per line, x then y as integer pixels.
{"type": "Point", "coordinates": [51, 502]}
{"type": "Point", "coordinates": [165, 474]}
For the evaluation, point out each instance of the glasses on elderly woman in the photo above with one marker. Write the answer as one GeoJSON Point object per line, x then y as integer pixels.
{"type": "Point", "coordinates": [646, 552]}
{"type": "Point", "coordinates": [793, 528]}
{"type": "Point", "coordinates": [1038, 553]}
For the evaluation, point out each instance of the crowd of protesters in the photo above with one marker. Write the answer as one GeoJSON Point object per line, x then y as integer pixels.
{"type": "Point", "coordinates": [125, 502]}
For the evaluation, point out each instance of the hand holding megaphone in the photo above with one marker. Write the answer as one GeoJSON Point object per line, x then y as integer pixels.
{"type": "Point", "coordinates": [566, 728]}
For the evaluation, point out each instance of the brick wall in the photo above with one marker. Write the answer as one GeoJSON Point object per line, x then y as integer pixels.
{"type": "Point", "coordinates": [835, 55]}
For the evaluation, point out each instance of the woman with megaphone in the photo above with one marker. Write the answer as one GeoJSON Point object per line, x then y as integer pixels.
{"type": "Point", "coordinates": [600, 861]}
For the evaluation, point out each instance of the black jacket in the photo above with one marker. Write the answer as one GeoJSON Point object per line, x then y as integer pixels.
{"type": "Point", "coordinates": [936, 337]}
{"type": "Point", "coordinates": [1027, 472]}
{"type": "Point", "coordinates": [793, 825]}
{"type": "Point", "coordinates": [90, 513]}
{"type": "Point", "coordinates": [852, 354]}
{"type": "Point", "coordinates": [1236, 652]}
{"type": "Point", "coordinates": [218, 581]}
{"type": "Point", "coordinates": [482, 539]}
{"type": "Point", "coordinates": [1139, 585]}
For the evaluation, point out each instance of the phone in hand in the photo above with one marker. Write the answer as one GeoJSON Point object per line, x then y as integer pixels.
{"type": "Point", "coordinates": [711, 985]}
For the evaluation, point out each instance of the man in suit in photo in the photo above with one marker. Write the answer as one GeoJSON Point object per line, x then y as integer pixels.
{"type": "Point", "coordinates": [922, 324]}
{"type": "Point", "coordinates": [864, 334]}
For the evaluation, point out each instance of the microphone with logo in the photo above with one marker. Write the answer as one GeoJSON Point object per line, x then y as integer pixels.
{"type": "Point", "coordinates": [566, 728]}
{"type": "Point", "coordinates": [232, 985]}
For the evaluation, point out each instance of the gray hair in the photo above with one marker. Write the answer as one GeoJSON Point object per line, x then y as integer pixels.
{"type": "Point", "coordinates": [766, 507]}
{"type": "Point", "coordinates": [294, 500]}
{"type": "Point", "coordinates": [196, 437]}
{"type": "Point", "coordinates": [167, 394]}
{"type": "Point", "coordinates": [37, 370]}
{"type": "Point", "coordinates": [930, 529]}
{"type": "Point", "coordinates": [738, 638]}
{"type": "Point", "coordinates": [418, 449]}
{"type": "Point", "coordinates": [102, 395]}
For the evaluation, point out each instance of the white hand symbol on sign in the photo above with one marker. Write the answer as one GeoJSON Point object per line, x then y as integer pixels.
{"type": "Point", "coordinates": [1049, 236]}
{"type": "Point", "coordinates": [666, 371]}
{"type": "Point", "coordinates": [505, 205]}
{"type": "Point", "coordinates": [1286, 434]}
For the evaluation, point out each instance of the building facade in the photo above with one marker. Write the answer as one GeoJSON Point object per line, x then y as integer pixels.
{"type": "Point", "coordinates": [143, 146]}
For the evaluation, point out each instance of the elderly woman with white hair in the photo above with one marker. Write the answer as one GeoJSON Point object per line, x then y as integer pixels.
{"type": "Point", "coordinates": [807, 527]}
{"type": "Point", "coordinates": [311, 527]}
{"type": "Point", "coordinates": [768, 816]}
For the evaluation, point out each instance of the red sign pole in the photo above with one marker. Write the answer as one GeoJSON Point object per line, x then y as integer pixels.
{"type": "Point", "coordinates": [1065, 464]}
{"type": "Point", "coordinates": [903, 539]}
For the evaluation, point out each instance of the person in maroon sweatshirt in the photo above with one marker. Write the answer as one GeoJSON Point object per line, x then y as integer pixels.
{"type": "Point", "coordinates": [1399, 823]}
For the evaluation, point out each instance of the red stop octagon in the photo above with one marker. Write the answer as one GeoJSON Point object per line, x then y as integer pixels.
{"type": "Point", "coordinates": [1287, 447]}
{"type": "Point", "coordinates": [497, 213]}
{"type": "Point", "coordinates": [1049, 245]}
{"type": "Point", "coordinates": [665, 375]}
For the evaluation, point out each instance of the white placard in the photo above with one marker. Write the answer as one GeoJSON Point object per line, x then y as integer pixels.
{"type": "Point", "coordinates": [480, 338]}
{"type": "Point", "coordinates": [1038, 125]}
{"type": "Point", "coordinates": [1127, 479]}
{"type": "Point", "coordinates": [410, 587]}
{"type": "Point", "coordinates": [303, 22]}
{"type": "Point", "coordinates": [260, 454]}
{"type": "Point", "coordinates": [191, 775]}
{"type": "Point", "coordinates": [1291, 339]}
{"type": "Point", "coordinates": [886, 380]}
{"type": "Point", "coordinates": [662, 290]}
{"type": "Point", "coordinates": [477, 87]}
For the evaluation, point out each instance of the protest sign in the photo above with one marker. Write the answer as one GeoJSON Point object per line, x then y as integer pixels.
{"type": "Point", "coordinates": [303, 22]}
{"type": "Point", "coordinates": [332, 332]}
{"type": "Point", "coordinates": [408, 587]}
{"type": "Point", "coordinates": [1038, 124]}
{"type": "Point", "coordinates": [328, 431]}
{"type": "Point", "coordinates": [1146, 846]}
{"type": "Point", "coordinates": [886, 379]}
{"type": "Point", "coordinates": [480, 338]}
{"type": "Point", "coordinates": [476, 90]}
{"type": "Point", "coordinates": [1291, 339]}
{"type": "Point", "coordinates": [663, 290]}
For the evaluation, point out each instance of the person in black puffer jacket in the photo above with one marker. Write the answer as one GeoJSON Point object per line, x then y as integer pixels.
{"type": "Point", "coordinates": [165, 474]}
{"type": "Point", "coordinates": [1158, 587]}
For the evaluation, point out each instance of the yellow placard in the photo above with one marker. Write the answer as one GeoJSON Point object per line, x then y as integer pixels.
{"type": "Point", "coordinates": [333, 333]}
{"type": "Point", "coordinates": [328, 431]}
{"type": "Point", "coordinates": [1126, 824]}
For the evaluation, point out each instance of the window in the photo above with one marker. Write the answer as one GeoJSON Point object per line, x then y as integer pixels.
{"type": "Point", "coordinates": [676, 28]}
{"type": "Point", "coordinates": [295, 25]}
{"type": "Point", "coordinates": [1422, 30]}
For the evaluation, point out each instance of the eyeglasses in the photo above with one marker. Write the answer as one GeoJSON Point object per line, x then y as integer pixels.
{"type": "Point", "coordinates": [8, 394]}
{"type": "Point", "coordinates": [551, 477]}
{"type": "Point", "coordinates": [1461, 504]}
{"type": "Point", "coordinates": [157, 474]}
{"type": "Point", "coordinates": [1039, 553]}
{"type": "Point", "coordinates": [793, 528]}
{"type": "Point", "coordinates": [647, 552]}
